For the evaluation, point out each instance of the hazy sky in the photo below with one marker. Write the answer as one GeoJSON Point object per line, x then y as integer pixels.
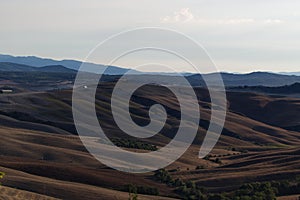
{"type": "Point", "coordinates": [240, 35]}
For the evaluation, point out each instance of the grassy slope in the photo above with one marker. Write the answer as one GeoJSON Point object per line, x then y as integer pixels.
{"type": "Point", "coordinates": [7, 193]}
{"type": "Point", "coordinates": [58, 166]}
{"type": "Point", "coordinates": [35, 158]}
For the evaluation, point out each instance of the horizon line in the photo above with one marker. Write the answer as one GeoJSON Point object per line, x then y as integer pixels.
{"type": "Point", "coordinates": [124, 67]}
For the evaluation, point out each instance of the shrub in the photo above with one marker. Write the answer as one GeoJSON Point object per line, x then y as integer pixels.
{"type": "Point", "coordinates": [200, 167]}
{"type": "Point", "coordinates": [134, 190]}
{"type": "Point", "coordinates": [134, 144]}
{"type": "Point", "coordinates": [256, 191]}
{"type": "Point", "coordinates": [2, 174]}
{"type": "Point", "coordinates": [163, 176]}
{"type": "Point", "coordinates": [218, 160]}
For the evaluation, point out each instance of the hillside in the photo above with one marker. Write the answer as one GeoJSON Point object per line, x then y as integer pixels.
{"type": "Point", "coordinates": [71, 64]}
{"type": "Point", "coordinates": [39, 146]}
{"type": "Point", "coordinates": [281, 90]}
{"type": "Point", "coordinates": [7, 193]}
{"type": "Point", "coordinates": [277, 111]}
{"type": "Point", "coordinates": [251, 79]}
{"type": "Point", "coordinates": [33, 63]}
{"type": "Point", "coordinates": [14, 67]}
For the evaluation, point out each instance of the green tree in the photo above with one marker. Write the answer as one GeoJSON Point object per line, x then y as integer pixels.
{"type": "Point", "coordinates": [2, 174]}
{"type": "Point", "coordinates": [132, 192]}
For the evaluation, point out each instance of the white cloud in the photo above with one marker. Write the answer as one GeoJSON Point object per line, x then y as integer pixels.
{"type": "Point", "coordinates": [273, 21]}
{"type": "Point", "coordinates": [236, 21]}
{"type": "Point", "coordinates": [186, 16]}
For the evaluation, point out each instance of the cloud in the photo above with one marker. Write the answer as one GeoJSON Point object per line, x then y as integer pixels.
{"type": "Point", "coordinates": [235, 21]}
{"type": "Point", "coordinates": [273, 21]}
{"type": "Point", "coordinates": [186, 16]}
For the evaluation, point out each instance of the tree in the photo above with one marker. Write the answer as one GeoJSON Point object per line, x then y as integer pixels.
{"type": "Point", "coordinates": [218, 160]}
{"type": "Point", "coordinates": [2, 174]}
{"type": "Point", "coordinates": [132, 192]}
{"type": "Point", "coordinates": [133, 196]}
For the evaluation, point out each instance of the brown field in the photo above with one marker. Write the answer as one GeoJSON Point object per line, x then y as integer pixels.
{"type": "Point", "coordinates": [40, 152]}
{"type": "Point", "coordinates": [7, 193]}
{"type": "Point", "coordinates": [291, 197]}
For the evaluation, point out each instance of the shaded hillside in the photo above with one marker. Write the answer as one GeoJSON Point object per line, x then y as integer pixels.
{"type": "Point", "coordinates": [59, 166]}
{"type": "Point", "coordinates": [286, 89]}
{"type": "Point", "coordinates": [276, 111]}
{"type": "Point", "coordinates": [251, 79]}
{"type": "Point", "coordinates": [40, 152]}
{"type": "Point", "coordinates": [59, 77]}
{"type": "Point", "coordinates": [54, 109]}
{"type": "Point", "coordinates": [46, 154]}
{"type": "Point", "coordinates": [32, 63]}
{"type": "Point", "coordinates": [36, 81]}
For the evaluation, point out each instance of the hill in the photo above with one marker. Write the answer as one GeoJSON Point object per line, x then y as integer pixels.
{"type": "Point", "coordinates": [7, 193]}
{"type": "Point", "coordinates": [14, 67]}
{"type": "Point", "coordinates": [71, 64]}
{"type": "Point", "coordinates": [251, 79]}
{"type": "Point", "coordinates": [283, 90]}
{"type": "Point", "coordinates": [230, 79]}
{"type": "Point", "coordinates": [41, 152]}
{"type": "Point", "coordinates": [53, 157]}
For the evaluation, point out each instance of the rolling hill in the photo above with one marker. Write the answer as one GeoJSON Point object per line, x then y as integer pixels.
{"type": "Point", "coordinates": [281, 90]}
{"type": "Point", "coordinates": [40, 151]}
{"type": "Point", "coordinates": [251, 79]}
{"type": "Point", "coordinates": [230, 79]}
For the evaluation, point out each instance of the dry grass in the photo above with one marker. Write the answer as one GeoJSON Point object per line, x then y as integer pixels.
{"type": "Point", "coordinates": [7, 193]}
{"type": "Point", "coordinates": [50, 160]}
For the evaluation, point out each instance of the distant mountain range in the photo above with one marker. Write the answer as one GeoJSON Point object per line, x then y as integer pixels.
{"type": "Point", "coordinates": [290, 73]}
{"type": "Point", "coordinates": [31, 63]}
{"type": "Point", "coordinates": [14, 67]}
{"type": "Point", "coordinates": [71, 64]}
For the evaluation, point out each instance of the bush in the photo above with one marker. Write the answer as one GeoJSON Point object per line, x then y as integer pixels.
{"type": "Point", "coordinates": [191, 184]}
{"type": "Point", "coordinates": [218, 160]}
{"type": "Point", "coordinates": [133, 189]}
{"type": "Point", "coordinates": [200, 167]}
{"type": "Point", "coordinates": [2, 174]}
{"type": "Point", "coordinates": [254, 191]}
{"type": "Point", "coordinates": [163, 176]}
{"type": "Point", "coordinates": [134, 144]}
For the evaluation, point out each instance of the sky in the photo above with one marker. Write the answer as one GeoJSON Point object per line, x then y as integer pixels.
{"type": "Point", "coordinates": [239, 35]}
